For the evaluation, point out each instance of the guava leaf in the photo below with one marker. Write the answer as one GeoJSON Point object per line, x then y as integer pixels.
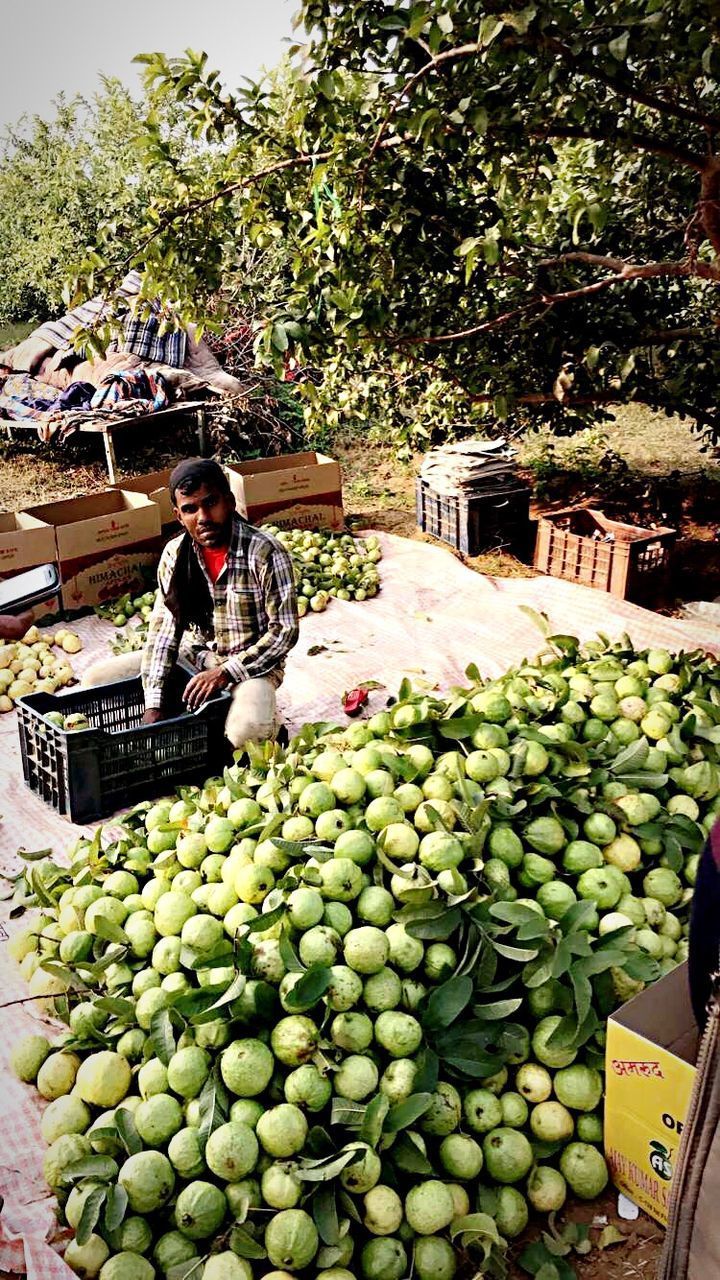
{"type": "Point", "coordinates": [446, 1002]}
{"type": "Point", "coordinates": [244, 1245]}
{"type": "Point", "coordinates": [404, 1114]}
{"type": "Point", "coordinates": [90, 1214]}
{"type": "Point", "coordinates": [99, 1168]}
{"type": "Point", "coordinates": [162, 1035]}
{"type": "Point", "coordinates": [374, 1119]}
{"type": "Point", "coordinates": [116, 1204]}
{"type": "Point", "coordinates": [313, 984]}
{"type": "Point", "coordinates": [408, 1157]}
{"type": "Point", "coordinates": [127, 1131]}
{"type": "Point", "coordinates": [428, 1070]}
{"type": "Point", "coordinates": [324, 1212]}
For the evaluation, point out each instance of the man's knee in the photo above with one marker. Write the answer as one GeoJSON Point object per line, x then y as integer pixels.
{"type": "Point", "coordinates": [251, 717]}
{"type": "Point", "coordinates": [108, 670]}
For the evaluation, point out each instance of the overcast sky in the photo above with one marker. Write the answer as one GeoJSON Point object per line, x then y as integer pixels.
{"type": "Point", "coordinates": [50, 47]}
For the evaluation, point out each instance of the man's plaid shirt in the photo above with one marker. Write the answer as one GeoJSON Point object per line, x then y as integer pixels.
{"type": "Point", "coordinates": [255, 618]}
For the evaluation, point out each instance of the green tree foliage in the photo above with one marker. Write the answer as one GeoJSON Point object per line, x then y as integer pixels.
{"type": "Point", "coordinates": [59, 180]}
{"type": "Point", "coordinates": [482, 207]}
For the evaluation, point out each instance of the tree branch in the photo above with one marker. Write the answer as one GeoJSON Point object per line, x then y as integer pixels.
{"type": "Point", "coordinates": [548, 397]}
{"type": "Point", "coordinates": [292, 162]}
{"type": "Point", "coordinates": [620, 270]}
{"type": "Point", "coordinates": [643, 142]}
{"type": "Point", "coordinates": [660, 337]}
{"type": "Point", "coordinates": [630, 90]}
{"type": "Point", "coordinates": [536, 304]}
{"type": "Point", "coordinates": [633, 271]}
{"type": "Point", "coordinates": [441, 59]}
{"type": "Point", "coordinates": [709, 204]}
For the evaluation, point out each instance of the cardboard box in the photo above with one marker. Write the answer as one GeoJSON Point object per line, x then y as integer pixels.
{"type": "Point", "coordinates": [155, 486]}
{"type": "Point", "coordinates": [25, 543]}
{"type": "Point", "coordinates": [652, 1044]}
{"type": "Point", "coordinates": [299, 490]}
{"type": "Point", "coordinates": [107, 543]}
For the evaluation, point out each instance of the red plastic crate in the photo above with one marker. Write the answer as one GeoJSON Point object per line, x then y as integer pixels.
{"type": "Point", "coordinates": [634, 566]}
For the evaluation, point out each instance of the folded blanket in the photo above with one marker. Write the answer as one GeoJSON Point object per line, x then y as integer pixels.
{"type": "Point", "coordinates": [60, 333]}
{"type": "Point", "coordinates": [138, 384]}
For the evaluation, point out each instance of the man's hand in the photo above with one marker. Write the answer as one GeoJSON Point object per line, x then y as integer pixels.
{"type": "Point", "coordinates": [14, 628]}
{"type": "Point", "coordinates": [153, 716]}
{"type": "Point", "coordinates": [203, 686]}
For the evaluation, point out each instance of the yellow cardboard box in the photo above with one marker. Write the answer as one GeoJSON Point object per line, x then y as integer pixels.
{"type": "Point", "coordinates": [107, 543]}
{"type": "Point", "coordinates": [296, 489]}
{"type": "Point", "coordinates": [155, 486]}
{"type": "Point", "coordinates": [651, 1049]}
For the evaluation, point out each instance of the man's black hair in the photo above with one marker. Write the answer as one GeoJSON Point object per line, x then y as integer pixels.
{"type": "Point", "coordinates": [191, 473]}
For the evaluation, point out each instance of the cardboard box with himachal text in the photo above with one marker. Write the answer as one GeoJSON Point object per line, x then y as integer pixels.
{"type": "Point", "coordinates": [155, 486]}
{"type": "Point", "coordinates": [297, 490]}
{"type": "Point", "coordinates": [107, 543]}
{"type": "Point", "coordinates": [651, 1047]}
{"type": "Point", "coordinates": [25, 543]}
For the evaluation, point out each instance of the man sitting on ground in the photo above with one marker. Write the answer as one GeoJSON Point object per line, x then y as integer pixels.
{"type": "Point", "coordinates": [226, 602]}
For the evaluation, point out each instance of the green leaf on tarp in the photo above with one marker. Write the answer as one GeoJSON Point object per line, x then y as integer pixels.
{"type": "Point", "coordinates": [34, 855]}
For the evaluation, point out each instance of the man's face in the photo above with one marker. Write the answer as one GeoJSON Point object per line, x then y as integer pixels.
{"type": "Point", "coordinates": [206, 514]}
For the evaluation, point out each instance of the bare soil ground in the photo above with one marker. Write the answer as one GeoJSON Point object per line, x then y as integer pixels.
{"type": "Point", "coordinates": [666, 478]}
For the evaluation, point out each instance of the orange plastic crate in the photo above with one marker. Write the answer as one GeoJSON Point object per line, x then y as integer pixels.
{"type": "Point", "coordinates": [633, 566]}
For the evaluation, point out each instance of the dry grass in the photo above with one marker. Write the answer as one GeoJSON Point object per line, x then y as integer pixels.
{"type": "Point", "coordinates": [655, 444]}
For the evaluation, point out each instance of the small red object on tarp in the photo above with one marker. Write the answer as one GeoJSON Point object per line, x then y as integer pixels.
{"type": "Point", "coordinates": [354, 700]}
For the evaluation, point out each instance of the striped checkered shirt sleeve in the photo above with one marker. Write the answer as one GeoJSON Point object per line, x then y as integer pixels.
{"type": "Point", "coordinates": [163, 638]}
{"type": "Point", "coordinates": [278, 583]}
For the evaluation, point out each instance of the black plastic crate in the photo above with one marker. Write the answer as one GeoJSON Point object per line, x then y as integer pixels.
{"type": "Point", "coordinates": [88, 774]}
{"type": "Point", "coordinates": [472, 523]}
